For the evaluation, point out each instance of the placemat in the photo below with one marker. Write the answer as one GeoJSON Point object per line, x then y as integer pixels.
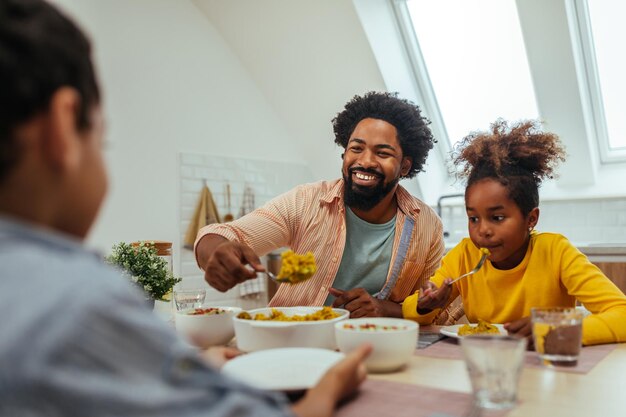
{"type": "Point", "coordinates": [385, 398]}
{"type": "Point", "coordinates": [589, 356]}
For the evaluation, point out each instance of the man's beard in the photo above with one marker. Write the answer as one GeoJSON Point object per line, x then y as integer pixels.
{"type": "Point", "coordinates": [365, 198]}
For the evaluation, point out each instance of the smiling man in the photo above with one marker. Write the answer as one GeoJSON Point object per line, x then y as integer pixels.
{"type": "Point", "coordinates": [374, 243]}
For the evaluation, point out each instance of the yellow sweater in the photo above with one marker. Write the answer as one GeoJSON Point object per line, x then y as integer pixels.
{"type": "Point", "coordinates": [553, 273]}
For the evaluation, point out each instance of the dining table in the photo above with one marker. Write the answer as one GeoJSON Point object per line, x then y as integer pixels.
{"type": "Point", "coordinates": [435, 383]}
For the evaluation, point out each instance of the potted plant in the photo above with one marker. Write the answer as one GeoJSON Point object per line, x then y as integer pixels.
{"type": "Point", "coordinates": [145, 268]}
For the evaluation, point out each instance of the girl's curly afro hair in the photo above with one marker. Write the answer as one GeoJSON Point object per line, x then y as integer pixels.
{"type": "Point", "coordinates": [519, 156]}
{"type": "Point", "coordinates": [414, 135]}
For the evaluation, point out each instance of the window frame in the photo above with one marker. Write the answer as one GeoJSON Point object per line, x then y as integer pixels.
{"type": "Point", "coordinates": [589, 79]}
{"type": "Point", "coordinates": [420, 74]}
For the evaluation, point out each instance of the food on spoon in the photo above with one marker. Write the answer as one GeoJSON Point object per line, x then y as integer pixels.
{"type": "Point", "coordinates": [326, 313]}
{"type": "Point", "coordinates": [485, 251]}
{"type": "Point", "coordinates": [481, 328]}
{"type": "Point", "coordinates": [296, 268]}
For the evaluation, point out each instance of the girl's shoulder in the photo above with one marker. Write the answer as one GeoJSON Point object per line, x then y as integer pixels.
{"type": "Point", "coordinates": [550, 241]}
{"type": "Point", "coordinates": [549, 237]}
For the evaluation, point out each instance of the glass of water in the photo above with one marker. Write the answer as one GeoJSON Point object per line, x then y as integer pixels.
{"type": "Point", "coordinates": [193, 298]}
{"type": "Point", "coordinates": [494, 364]}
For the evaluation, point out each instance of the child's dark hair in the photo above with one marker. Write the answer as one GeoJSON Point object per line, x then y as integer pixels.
{"type": "Point", "coordinates": [41, 50]}
{"type": "Point", "coordinates": [414, 135]}
{"type": "Point", "coordinates": [519, 157]}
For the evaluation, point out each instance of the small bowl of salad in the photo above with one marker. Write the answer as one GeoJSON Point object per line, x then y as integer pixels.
{"type": "Point", "coordinates": [207, 325]}
{"type": "Point", "coordinates": [393, 340]}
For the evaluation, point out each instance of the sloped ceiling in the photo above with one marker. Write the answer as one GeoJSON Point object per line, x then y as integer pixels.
{"type": "Point", "coordinates": [308, 58]}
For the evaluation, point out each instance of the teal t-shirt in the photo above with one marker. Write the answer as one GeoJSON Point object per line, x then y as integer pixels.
{"type": "Point", "coordinates": [367, 255]}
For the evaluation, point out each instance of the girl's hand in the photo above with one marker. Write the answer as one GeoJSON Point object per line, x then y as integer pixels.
{"type": "Point", "coordinates": [432, 297]}
{"type": "Point", "coordinates": [521, 328]}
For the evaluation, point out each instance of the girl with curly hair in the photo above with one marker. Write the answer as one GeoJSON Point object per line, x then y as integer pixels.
{"type": "Point", "coordinates": [504, 168]}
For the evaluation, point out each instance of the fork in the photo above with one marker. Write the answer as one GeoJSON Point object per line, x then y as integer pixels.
{"type": "Point", "coordinates": [476, 268]}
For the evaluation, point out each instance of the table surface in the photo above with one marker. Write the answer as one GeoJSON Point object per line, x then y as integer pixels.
{"type": "Point", "coordinates": [542, 392]}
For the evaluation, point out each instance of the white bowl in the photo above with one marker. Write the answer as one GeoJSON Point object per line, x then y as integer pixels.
{"type": "Point", "coordinates": [392, 347]}
{"type": "Point", "coordinates": [207, 329]}
{"type": "Point", "coordinates": [253, 335]}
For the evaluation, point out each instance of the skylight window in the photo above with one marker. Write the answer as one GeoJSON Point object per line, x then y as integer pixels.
{"type": "Point", "coordinates": [607, 32]}
{"type": "Point", "coordinates": [476, 61]}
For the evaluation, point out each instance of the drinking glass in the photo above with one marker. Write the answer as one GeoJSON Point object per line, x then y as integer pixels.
{"type": "Point", "coordinates": [557, 333]}
{"type": "Point", "coordinates": [494, 364]}
{"type": "Point", "coordinates": [193, 298]}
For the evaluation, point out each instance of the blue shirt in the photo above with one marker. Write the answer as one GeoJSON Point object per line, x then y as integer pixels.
{"type": "Point", "coordinates": [366, 256]}
{"type": "Point", "coordinates": [78, 340]}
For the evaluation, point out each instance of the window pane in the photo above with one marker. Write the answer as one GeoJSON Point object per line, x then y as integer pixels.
{"type": "Point", "coordinates": [608, 31]}
{"type": "Point", "coordinates": [476, 61]}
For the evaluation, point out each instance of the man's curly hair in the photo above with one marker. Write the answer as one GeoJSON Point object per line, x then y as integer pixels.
{"type": "Point", "coordinates": [518, 156]}
{"type": "Point", "coordinates": [414, 135]}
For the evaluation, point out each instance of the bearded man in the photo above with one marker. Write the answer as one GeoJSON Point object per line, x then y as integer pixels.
{"type": "Point", "coordinates": [374, 243]}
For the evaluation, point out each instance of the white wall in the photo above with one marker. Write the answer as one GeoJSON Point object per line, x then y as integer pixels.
{"type": "Point", "coordinates": [308, 58]}
{"type": "Point", "coordinates": [170, 84]}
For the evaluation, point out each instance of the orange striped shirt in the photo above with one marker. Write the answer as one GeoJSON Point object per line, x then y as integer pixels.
{"type": "Point", "coordinates": [311, 217]}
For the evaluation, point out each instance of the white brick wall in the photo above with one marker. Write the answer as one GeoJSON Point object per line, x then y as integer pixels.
{"type": "Point", "coordinates": [267, 178]}
{"type": "Point", "coordinates": [581, 221]}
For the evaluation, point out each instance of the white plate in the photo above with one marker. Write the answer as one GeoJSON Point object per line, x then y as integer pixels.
{"type": "Point", "coordinates": [453, 331]}
{"type": "Point", "coordinates": [284, 369]}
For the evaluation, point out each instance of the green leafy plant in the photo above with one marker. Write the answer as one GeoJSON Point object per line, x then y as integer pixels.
{"type": "Point", "coordinates": [144, 267]}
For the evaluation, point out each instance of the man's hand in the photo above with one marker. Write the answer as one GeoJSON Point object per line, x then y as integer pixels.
{"type": "Point", "coordinates": [227, 262]}
{"type": "Point", "coordinates": [361, 304]}
{"type": "Point", "coordinates": [337, 383]}
{"type": "Point", "coordinates": [432, 297]}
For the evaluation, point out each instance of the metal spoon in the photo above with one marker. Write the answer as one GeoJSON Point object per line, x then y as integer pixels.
{"type": "Point", "coordinates": [476, 268]}
{"type": "Point", "coordinates": [275, 278]}
{"type": "Point", "coordinates": [284, 280]}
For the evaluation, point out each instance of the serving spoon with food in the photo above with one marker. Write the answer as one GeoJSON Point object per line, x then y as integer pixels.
{"type": "Point", "coordinates": [295, 268]}
{"type": "Point", "coordinates": [482, 260]}
{"type": "Point", "coordinates": [277, 280]}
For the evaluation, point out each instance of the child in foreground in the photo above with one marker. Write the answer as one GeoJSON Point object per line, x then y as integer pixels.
{"type": "Point", "coordinates": [77, 339]}
{"type": "Point", "coordinates": [504, 169]}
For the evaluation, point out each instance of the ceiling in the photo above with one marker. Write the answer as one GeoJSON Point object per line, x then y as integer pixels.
{"type": "Point", "coordinates": [308, 58]}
